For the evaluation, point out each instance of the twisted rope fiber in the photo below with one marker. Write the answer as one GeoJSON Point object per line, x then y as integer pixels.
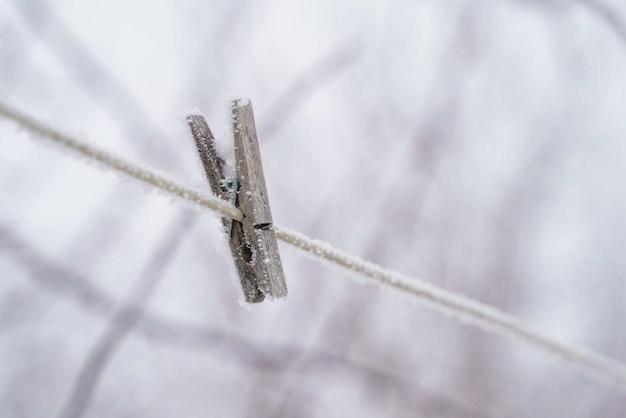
{"type": "Point", "coordinates": [458, 306]}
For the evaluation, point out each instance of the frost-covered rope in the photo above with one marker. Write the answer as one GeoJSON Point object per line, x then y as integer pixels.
{"type": "Point", "coordinates": [107, 160]}
{"type": "Point", "coordinates": [460, 307]}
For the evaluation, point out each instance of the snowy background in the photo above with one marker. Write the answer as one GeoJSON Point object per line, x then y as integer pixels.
{"type": "Point", "coordinates": [477, 144]}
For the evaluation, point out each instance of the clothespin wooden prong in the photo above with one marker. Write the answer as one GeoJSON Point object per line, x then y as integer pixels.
{"type": "Point", "coordinates": [252, 242]}
{"type": "Point", "coordinates": [254, 203]}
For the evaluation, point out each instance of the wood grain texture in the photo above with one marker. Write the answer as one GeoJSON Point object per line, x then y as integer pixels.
{"type": "Point", "coordinates": [254, 203]}
{"type": "Point", "coordinates": [205, 143]}
{"type": "Point", "coordinates": [240, 247]}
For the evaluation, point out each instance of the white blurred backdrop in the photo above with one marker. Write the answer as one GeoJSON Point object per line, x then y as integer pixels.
{"type": "Point", "coordinates": [477, 144]}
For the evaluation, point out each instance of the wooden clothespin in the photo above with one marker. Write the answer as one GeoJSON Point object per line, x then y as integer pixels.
{"type": "Point", "coordinates": [252, 241]}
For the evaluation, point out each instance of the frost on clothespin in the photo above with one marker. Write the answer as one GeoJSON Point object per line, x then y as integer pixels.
{"type": "Point", "coordinates": [252, 241]}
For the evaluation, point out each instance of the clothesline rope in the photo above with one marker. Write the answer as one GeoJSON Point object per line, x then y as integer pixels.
{"type": "Point", "coordinates": [458, 306]}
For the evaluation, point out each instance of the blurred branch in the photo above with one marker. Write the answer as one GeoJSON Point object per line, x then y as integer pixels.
{"type": "Point", "coordinates": [273, 361]}
{"type": "Point", "coordinates": [603, 11]}
{"type": "Point", "coordinates": [208, 72]}
{"type": "Point", "coordinates": [304, 86]}
{"type": "Point", "coordinates": [108, 92]}
{"type": "Point", "coordinates": [101, 84]}
{"type": "Point", "coordinates": [13, 56]}
{"type": "Point", "coordinates": [608, 15]}
{"type": "Point", "coordinates": [127, 316]}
